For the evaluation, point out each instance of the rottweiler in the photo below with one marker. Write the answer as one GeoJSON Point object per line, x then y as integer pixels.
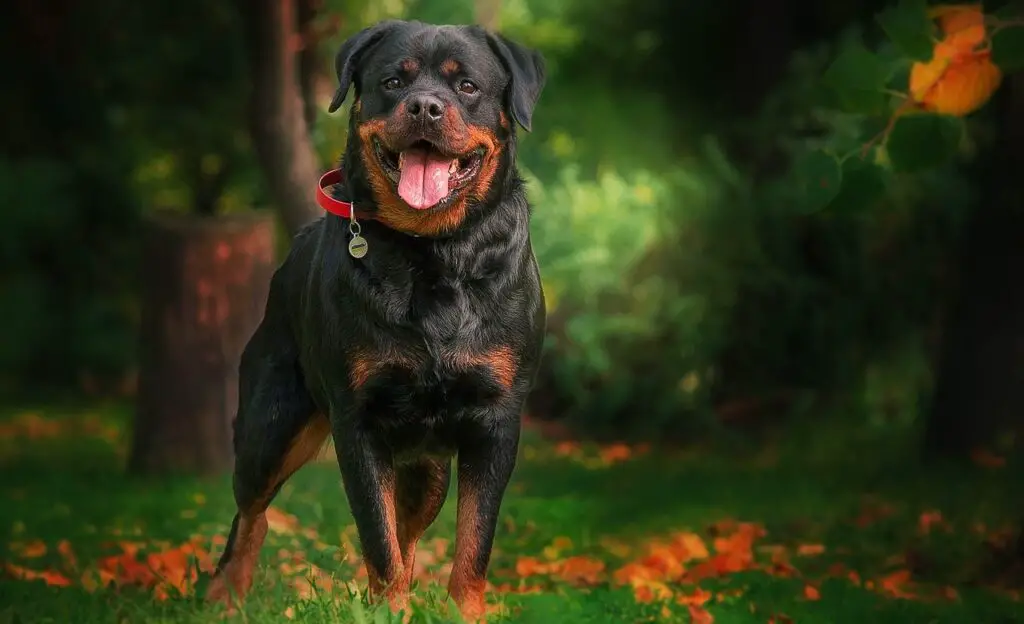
{"type": "Point", "coordinates": [406, 323]}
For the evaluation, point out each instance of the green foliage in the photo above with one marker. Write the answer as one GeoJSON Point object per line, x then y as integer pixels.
{"type": "Point", "coordinates": [859, 78]}
{"type": "Point", "coordinates": [908, 27]}
{"type": "Point", "coordinates": [1008, 48]}
{"type": "Point", "coordinates": [819, 176]}
{"type": "Point", "coordinates": [923, 141]}
{"type": "Point", "coordinates": [864, 183]}
{"type": "Point", "coordinates": [625, 336]}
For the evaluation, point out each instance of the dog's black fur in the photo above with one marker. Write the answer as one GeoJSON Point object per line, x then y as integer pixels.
{"type": "Point", "coordinates": [425, 348]}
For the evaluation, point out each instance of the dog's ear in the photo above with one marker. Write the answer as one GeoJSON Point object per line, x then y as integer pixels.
{"type": "Point", "coordinates": [525, 68]}
{"type": "Point", "coordinates": [347, 61]}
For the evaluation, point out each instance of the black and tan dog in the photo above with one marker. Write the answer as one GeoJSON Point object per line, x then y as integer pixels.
{"type": "Point", "coordinates": [413, 335]}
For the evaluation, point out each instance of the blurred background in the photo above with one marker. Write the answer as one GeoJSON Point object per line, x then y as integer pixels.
{"type": "Point", "coordinates": [156, 158]}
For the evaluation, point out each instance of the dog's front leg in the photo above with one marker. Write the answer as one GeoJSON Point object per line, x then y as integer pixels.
{"type": "Point", "coordinates": [485, 460]}
{"type": "Point", "coordinates": [367, 471]}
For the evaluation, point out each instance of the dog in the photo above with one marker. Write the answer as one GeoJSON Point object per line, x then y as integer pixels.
{"type": "Point", "coordinates": [407, 324]}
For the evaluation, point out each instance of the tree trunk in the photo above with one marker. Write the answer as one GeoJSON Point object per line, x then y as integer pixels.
{"type": "Point", "coordinates": [308, 61]}
{"type": "Point", "coordinates": [277, 114]}
{"type": "Point", "coordinates": [203, 297]}
{"type": "Point", "coordinates": [980, 381]}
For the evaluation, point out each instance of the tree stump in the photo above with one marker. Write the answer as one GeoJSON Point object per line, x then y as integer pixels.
{"type": "Point", "coordinates": [205, 287]}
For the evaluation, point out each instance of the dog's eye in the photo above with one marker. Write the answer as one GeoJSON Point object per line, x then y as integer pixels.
{"type": "Point", "coordinates": [390, 84]}
{"type": "Point", "coordinates": [468, 87]}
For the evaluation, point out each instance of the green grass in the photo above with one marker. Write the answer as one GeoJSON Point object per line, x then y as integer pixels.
{"type": "Point", "coordinates": [72, 487]}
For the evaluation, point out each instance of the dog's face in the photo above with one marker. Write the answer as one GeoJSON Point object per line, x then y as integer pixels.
{"type": "Point", "coordinates": [433, 114]}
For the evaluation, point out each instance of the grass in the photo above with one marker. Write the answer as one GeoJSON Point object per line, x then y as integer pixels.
{"type": "Point", "coordinates": [864, 501]}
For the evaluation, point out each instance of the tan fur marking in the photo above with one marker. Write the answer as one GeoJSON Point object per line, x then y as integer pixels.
{"type": "Point", "coordinates": [395, 592]}
{"type": "Point", "coordinates": [234, 581]}
{"type": "Point", "coordinates": [450, 67]}
{"type": "Point", "coordinates": [501, 360]}
{"type": "Point", "coordinates": [465, 586]}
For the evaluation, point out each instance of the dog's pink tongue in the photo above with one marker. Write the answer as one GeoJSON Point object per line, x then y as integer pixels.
{"type": "Point", "coordinates": [423, 178]}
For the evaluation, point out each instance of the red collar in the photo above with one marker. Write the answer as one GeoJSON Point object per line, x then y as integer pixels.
{"type": "Point", "coordinates": [335, 206]}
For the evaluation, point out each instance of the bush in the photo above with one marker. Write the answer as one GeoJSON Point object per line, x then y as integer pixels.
{"type": "Point", "coordinates": [634, 316]}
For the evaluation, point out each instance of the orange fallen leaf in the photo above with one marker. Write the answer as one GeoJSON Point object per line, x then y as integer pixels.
{"type": "Point", "coordinates": [700, 615]}
{"type": "Point", "coordinates": [67, 554]}
{"type": "Point", "coordinates": [691, 546]}
{"type": "Point", "coordinates": [581, 569]}
{"type": "Point", "coordinates": [651, 591]}
{"type": "Point", "coordinates": [30, 550]}
{"type": "Point", "coordinates": [567, 448]}
{"type": "Point", "coordinates": [281, 522]}
{"type": "Point", "coordinates": [616, 453]}
{"type": "Point", "coordinates": [530, 566]}
{"type": "Point", "coordinates": [697, 598]}
{"type": "Point", "coordinates": [895, 584]}
{"type": "Point", "coordinates": [811, 592]}
{"type": "Point", "coordinates": [928, 519]}
{"type": "Point", "coordinates": [50, 577]}
{"type": "Point", "coordinates": [810, 550]}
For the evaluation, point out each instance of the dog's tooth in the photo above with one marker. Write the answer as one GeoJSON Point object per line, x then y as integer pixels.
{"type": "Point", "coordinates": [401, 159]}
{"type": "Point", "coordinates": [452, 168]}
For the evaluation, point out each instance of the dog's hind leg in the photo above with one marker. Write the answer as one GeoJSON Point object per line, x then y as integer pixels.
{"type": "Point", "coordinates": [277, 431]}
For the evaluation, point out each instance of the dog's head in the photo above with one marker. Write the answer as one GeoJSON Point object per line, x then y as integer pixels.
{"type": "Point", "coordinates": [433, 117]}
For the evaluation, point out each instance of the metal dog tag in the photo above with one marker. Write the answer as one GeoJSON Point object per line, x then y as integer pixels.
{"type": "Point", "coordinates": [357, 245]}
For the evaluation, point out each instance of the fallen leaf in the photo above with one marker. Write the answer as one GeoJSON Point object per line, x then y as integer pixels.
{"type": "Point", "coordinates": [616, 453]}
{"type": "Point", "coordinates": [692, 546]}
{"type": "Point", "coordinates": [651, 591]}
{"type": "Point", "coordinates": [581, 569]}
{"type": "Point", "coordinates": [810, 550]}
{"type": "Point", "coordinates": [895, 584]}
{"type": "Point", "coordinates": [700, 615]}
{"type": "Point", "coordinates": [281, 522]}
{"type": "Point", "coordinates": [568, 448]}
{"type": "Point", "coordinates": [811, 592]}
{"type": "Point", "coordinates": [67, 554]}
{"type": "Point", "coordinates": [530, 566]}
{"type": "Point", "coordinates": [50, 577]}
{"type": "Point", "coordinates": [928, 519]}
{"type": "Point", "coordinates": [30, 550]}
{"type": "Point", "coordinates": [697, 598]}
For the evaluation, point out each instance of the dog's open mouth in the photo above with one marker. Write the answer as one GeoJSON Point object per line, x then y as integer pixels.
{"type": "Point", "coordinates": [424, 176]}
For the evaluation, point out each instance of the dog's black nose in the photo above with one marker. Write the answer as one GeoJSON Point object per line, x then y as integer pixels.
{"type": "Point", "coordinates": [425, 108]}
